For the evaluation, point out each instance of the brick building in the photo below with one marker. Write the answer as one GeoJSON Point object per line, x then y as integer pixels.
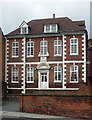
{"type": "Point", "coordinates": [89, 58]}
{"type": "Point", "coordinates": [46, 61]}
{"type": "Point", "coordinates": [46, 54]}
{"type": "Point", "coordinates": [2, 64]}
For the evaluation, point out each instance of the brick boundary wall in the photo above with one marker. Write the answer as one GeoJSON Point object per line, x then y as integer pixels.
{"type": "Point", "coordinates": [75, 106]}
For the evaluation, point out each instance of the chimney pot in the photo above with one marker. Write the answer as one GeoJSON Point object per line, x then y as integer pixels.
{"type": "Point", "coordinates": [53, 15]}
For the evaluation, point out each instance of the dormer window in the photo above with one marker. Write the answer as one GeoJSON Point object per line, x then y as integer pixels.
{"type": "Point", "coordinates": [24, 28]}
{"type": "Point", "coordinates": [50, 28]}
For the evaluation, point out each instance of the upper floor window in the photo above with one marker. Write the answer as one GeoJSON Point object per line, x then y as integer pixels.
{"type": "Point", "coordinates": [57, 47]}
{"type": "Point", "coordinates": [30, 49]}
{"type": "Point", "coordinates": [15, 49]}
{"type": "Point", "coordinates": [30, 74]}
{"type": "Point", "coordinates": [15, 74]}
{"type": "Point", "coordinates": [24, 30]}
{"type": "Point", "coordinates": [43, 47]}
{"type": "Point", "coordinates": [50, 28]}
{"type": "Point", "coordinates": [57, 74]}
{"type": "Point", "coordinates": [73, 46]}
{"type": "Point", "coordinates": [74, 74]}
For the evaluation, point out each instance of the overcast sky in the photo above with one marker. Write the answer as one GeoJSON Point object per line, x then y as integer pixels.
{"type": "Point", "coordinates": [13, 12]}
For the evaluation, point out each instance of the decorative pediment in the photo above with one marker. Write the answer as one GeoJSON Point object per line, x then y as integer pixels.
{"type": "Point", "coordinates": [43, 66]}
{"type": "Point", "coordinates": [23, 24]}
{"type": "Point", "coordinates": [23, 28]}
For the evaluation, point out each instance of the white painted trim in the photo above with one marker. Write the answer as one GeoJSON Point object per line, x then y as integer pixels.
{"type": "Point", "coordinates": [51, 62]}
{"type": "Point", "coordinates": [52, 89]}
{"type": "Point", "coordinates": [17, 63]}
{"type": "Point", "coordinates": [15, 88]}
{"type": "Point", "coordinates": [64, 50]}
{"type": "Point", "coordinates": [23, 74]}
{"type": "Point", "coordinates": [6, 69]}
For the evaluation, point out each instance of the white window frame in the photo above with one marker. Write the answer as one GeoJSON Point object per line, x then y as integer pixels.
{"type": "Point", "coordinates": [30, 73]}
{"type": "Point", "coordinates": [26, 30]}
{"type": "Point", "coordinates": [15, 73]}
{"type": "Point", "coordinates": [14, 48]}
{"type": "Point", "coordinates": [75, 66]}
{"type": "Point", "coordinates": [43, 48]}
{"type": "Point", "coordinates": [57, 72]}
{"type": "Point", "coordinates": [50, 26]}
{"type": "Point", "coordinates": [30, 47]}
{"type": "Point", "coordinates": [56, 51]}
{"type": "Point", "coordinates": [73, 44]}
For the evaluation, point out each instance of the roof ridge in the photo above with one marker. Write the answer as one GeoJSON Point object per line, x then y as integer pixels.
{"type": "Point", "coordinates": [47, 19]}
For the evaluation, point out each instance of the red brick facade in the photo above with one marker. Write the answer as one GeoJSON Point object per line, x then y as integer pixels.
{"type": "Point", "coordinates": [50, 58]}
{"type": "Point", "coordinates": [46, 64]}
{"type": "Point", "coordinates": [59, 105]}
{"type": "Point", "coordinates": [2, 64]}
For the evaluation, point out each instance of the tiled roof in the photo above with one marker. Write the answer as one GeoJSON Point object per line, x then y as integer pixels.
{"type": "Point", "coordinates": [65, 25]}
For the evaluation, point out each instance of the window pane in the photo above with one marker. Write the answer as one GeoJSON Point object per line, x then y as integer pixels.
{"type": "Point", "coordinates": [30, 48]}
{"type": "Point", "coordinates": [30, 74]}
{"type": "Point", "coordinates": [43, 47]}
{"type": "Point", "coordinates": [74, 45]}
{"type": "Point", "coordinates": [54, 28]}
{"type": "Point", "coordinates": [74, 73]}
{"type": "Point", "coordinates": [14, 74]}
{"type": "Point", "coordinates": [57, 73]}
{"type": "Point", "coordinates": [47, 28]}
{"type": "Point", "coordinates": [57, 47]}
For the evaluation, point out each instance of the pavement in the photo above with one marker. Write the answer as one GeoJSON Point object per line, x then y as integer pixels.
{"type": "Point", "coordinates": [30, 116]}
{"type": "Point", "coordinates": [27, 115]}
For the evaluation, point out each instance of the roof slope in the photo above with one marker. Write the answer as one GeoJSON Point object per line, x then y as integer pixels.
{"type": "Point", "coordinates": [65, 24]}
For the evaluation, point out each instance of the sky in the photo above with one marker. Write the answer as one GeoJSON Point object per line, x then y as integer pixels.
{"type": "Point", "coordinates": [13, 12]}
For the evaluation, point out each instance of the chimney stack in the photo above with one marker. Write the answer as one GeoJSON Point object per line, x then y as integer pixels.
{"type": "Point", "coordinates": [53, 15]}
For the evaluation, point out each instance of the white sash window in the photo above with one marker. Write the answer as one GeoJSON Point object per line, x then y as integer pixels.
{"type": "Point", "coordinates": [74, 74]}
{"type": "Point", "coordinates": [15, 75]}
{"type": "Point", "coordinates": [57, 48]}
{"type": "Point", "coordinates": [73, 46]}
{"type": "Point", "coordinates": [43, 47]}
{"type": "Point", "coordinates": [30, 75]}
{"type": "Point", "coordinates": [15, 49]}
{"type": "Point", "coordinates": [57, 74]}
{"type": "Point", "coordinates": [30, 49]}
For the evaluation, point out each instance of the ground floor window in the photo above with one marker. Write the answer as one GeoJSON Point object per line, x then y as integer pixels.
{"type": "Point", "coordinates": [74, 74]}
{"type": "Point", "coordinates": [57, 74]}
{"type": "Point", "coordinates": [30, 74]}
{"type": "Point", "coordinates": [15, 74]}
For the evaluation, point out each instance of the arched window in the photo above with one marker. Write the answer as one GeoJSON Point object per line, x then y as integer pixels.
{"type": "Point", "coordinates": [57, 74]}
{"type": "Point", "coordinates": [74, 74]}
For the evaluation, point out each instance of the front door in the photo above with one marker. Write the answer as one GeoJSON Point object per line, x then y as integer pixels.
{"type": "Point", "coordinates": [43, 80]}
